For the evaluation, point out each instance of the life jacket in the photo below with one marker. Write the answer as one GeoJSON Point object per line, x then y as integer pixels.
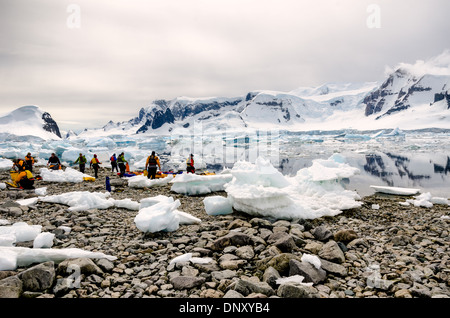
{"type": "Point", "coordinates": [152, 161]}
{"type": "Point", "coordinates": [29, 159]}
{"type": "Point", "coordinates": [81, 160]}
{"type": "Point", "coordinates": [113, 158]}
{"type": "Point", "coordinates": [21, 165]}
{"type": "Point", "coordinates": [95, 161]}
{"type": "Point", "coordinates": [24, 174]}
{"type": "Point", "coordinates": [190, 162]}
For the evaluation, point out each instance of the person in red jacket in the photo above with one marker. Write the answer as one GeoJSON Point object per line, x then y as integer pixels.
{"type": "Point", "coordinates": [190, 164]}
{"type": "Point", "coordinates": [95, 163]}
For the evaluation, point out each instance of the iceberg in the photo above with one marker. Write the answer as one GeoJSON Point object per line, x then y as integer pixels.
{"type": "Point", "coordinates": [259, 189]}
{"type": "Point", "coordinates": [192, 184]}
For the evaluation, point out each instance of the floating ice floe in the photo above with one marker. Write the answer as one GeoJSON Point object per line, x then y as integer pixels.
{"type": "Point", "coordinates": [218, 205]}
{"type": "Point", "coordinates": [192, 184]}
{"type": "Point", "coordinates": [395, 190]}
{"type": "Point", "coordinates": [260, 189]}
{"type": "Point", "coordinates": [67, 175]}
{"type": "Point", "coordinates": [161, 214]}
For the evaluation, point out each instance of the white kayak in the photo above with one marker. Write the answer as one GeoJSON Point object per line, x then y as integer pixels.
{"type": "Point", "coordinates": [395, 190]}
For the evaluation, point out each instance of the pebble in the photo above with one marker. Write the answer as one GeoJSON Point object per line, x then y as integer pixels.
{"type": "Point", "coordinates": [390, 252]}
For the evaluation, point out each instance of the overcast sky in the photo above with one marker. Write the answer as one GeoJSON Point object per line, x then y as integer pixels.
{"type": "Point", "coordinates": [88, 61]}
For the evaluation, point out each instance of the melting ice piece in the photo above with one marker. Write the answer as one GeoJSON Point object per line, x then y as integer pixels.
{"type": "Point", "coordinates": [218, 205]}
{"type": "Point", "coordinates": [12, 257]}
{"type": "Point", "coordinates": [260, 189]}
{"type": "Point", "coordinates": [192, 184]}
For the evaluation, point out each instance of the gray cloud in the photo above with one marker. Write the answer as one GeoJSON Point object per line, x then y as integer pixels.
{"type": "Point", "coordinates": [127, 53]}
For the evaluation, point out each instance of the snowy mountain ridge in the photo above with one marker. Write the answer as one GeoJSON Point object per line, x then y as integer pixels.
{"type": "Point", "coordinates": [29, 121]}
{"type": "Point", "coordinates": [404, 99]}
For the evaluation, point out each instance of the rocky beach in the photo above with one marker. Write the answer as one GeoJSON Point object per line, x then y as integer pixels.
{"type": "Point", "coordinates": [380, 250]}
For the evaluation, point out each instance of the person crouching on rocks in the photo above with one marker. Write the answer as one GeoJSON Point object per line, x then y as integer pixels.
{"type": "Point", "coordinates": [53, 162]}
{"type": "Point", "coordinates": [95, 163]}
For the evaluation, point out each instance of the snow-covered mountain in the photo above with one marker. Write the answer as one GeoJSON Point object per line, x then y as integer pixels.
{"type": "Point", "coordinates": [405, 99]}
{"type": "Point", "coordinates": [29, 121]}
{"type": "Point", "coordinates": [410, 97]}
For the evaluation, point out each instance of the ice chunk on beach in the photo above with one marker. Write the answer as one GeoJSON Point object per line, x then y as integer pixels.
{"type": "Point", "coordinates": [141, 181]}
{"type": "Point", "coordinates": [426, 200]}
{"type": "Point", "coordinates": [159, 217]}
{"type": "Point", "coordinates": [85, 200]}
{"type": "Point", "coordinates": [81, 200]}
{"type": "Point", "coordinates": [2, 186]}
{"type": "Point", "coordinates": [44, 240]}
{"type": "Point", "coordinates": [67, 175]}
{"type": "Point", "coordinates": [27, 202]}
{"type": "Point", "coordinates": [12, 257]}
{"type": "Point", "coordinates": [125, 203]}
{"type": "Point", "coordinates": [294, 279]}
{"type": "Point", "coordinates": [257, 189]}
{"type": "Point", "coordinates": [22, 231]}
{"type": "Point", "coordinates": [186, 218]}
{"type": "Point", "coordinates": [147, 202]}
{"type": "Point", "coordinates": [192, 184]}
{"type": "Point", "coordinates": [218, 205]}
{"type": "Point", "coordinates": [7, 239]}
{"type": "Point", "coordinates": [187, 257]}
{"type": "Point", "coordinates": [181, 259]}
{"type": "Point", "coordinates": [41, 191]}
{"type": "Point", "coordinates": [4, 222]}
{"type": "Point", "coordinates": [312, 259]}
{"type": "Point", "coordinates": [160, 214]}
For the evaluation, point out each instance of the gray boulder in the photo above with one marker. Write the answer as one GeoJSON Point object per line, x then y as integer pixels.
{"type": "Point", "coordinates": [39, 277]}
{"type": "Point", "coordinates": [332, 252]}
{"type": "Point", "coordinates": [291, 290]}
{"type": "Point", "coordinates": [11, 287]}
{"type": "Point", "coordinates": [247, 287]}
{"type": "Point", "coordinates": [307, 270]}
{"type": "Point", "coordinates": [186, 282]}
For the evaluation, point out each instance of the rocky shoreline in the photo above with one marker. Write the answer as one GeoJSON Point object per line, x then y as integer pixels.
{"type": "Point", "coordinates": [394, 251]}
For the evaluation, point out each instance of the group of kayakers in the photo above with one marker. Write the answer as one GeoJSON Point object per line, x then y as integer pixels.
{"type": "Point", "coordinates": [23, 168]}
